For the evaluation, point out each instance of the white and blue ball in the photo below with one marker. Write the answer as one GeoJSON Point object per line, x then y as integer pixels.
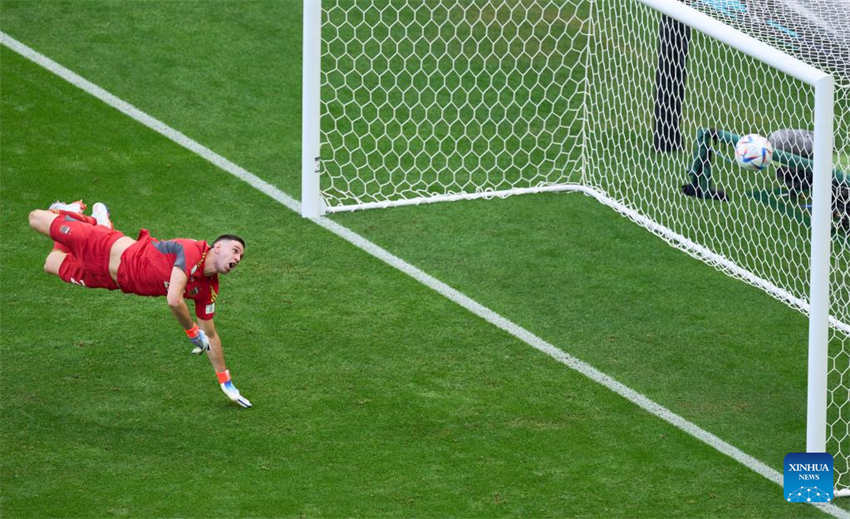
{"type": "Point", "coordinates": [753, 152]}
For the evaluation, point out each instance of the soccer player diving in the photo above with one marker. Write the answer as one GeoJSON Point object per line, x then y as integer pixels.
{"type": "Point", "coordinates": [89, 252]}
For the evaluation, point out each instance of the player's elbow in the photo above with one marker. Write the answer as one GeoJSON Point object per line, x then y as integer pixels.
{"type": "Point", "coordinates": [174, 301]}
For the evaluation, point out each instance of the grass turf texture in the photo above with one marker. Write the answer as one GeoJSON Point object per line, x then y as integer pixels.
{"type": "Point", "coordinates": [374, 396]}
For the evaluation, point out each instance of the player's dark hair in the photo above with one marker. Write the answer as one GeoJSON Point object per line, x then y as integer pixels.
{"type": "Point", "coordinates": [231, 237]}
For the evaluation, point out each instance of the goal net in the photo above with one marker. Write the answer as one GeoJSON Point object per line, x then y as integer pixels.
{"type": "Point", "coordinates": [689, 97]}
{"type": "Point", "coordinates": [417, 101]}
{"type": "Point", "coordinates": [426, 100]}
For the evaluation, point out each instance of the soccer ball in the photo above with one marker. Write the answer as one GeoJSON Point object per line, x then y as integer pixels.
{"type": "Point", "coordinates": [753, 152]}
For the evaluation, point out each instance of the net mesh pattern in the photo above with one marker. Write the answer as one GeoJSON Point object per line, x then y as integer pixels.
{"type": "Point", "coordinates": [425, 98]}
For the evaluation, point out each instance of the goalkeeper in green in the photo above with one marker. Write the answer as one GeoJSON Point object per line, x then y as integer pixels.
{"type": "Point", "coordinates": [798, 179]}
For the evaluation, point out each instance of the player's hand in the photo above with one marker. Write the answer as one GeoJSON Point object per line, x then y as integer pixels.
{"type": "Point", "coordinates": [233, 394]}
{"type": "Point", "coordinates": [230, 390]}
{"type": "Point", "coordinates": [199, 339]}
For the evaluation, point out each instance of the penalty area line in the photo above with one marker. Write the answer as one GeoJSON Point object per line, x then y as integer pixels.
{"type": "Point", "coordinates": [426, 279]}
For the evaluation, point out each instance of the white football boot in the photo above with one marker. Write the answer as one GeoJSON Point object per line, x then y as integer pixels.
{"type": "Point", "coordinates": [101, 213]}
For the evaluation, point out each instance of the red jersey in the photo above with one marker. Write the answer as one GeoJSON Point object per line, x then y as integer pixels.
{"type": "Point", "coordinates": [146, 270]}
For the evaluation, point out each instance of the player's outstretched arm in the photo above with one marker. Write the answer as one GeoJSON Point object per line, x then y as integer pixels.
{"type": "Point", "coordinates": [174, 297]}
{"type": "Point", "coordinates": [178, 306]}
{"type": "Point", "coordinates": [215, 354]}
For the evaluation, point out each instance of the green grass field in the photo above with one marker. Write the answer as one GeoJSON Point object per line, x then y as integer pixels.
{"type": "Point", "coordinates": [373, 395]}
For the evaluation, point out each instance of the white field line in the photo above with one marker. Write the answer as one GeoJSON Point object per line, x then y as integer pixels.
{"type": "Point", "coordinates": [424, 278]}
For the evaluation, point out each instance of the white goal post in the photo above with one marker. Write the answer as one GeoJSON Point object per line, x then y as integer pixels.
{"type": "Point", "coordinates": [419, 101]}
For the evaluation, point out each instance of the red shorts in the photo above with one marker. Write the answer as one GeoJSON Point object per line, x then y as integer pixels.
{"type": "Point", "coordinates": [88, 262]}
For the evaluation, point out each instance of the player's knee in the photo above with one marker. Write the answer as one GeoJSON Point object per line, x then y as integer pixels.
{"type": "Point", "coordinates": [53, 262]}
{"type": "Point", "coordinates": [34, 219]}
{"type": "Point", "coordinates": [40, 220]}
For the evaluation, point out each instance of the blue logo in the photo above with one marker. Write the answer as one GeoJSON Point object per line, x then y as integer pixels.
{"type": "Point", "coordinates": [808, 477]}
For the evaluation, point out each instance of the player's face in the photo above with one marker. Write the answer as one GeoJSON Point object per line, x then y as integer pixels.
{"type": "Point", "coordinates": [228, 255]}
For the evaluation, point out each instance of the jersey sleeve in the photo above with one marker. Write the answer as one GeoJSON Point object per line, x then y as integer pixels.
{"type": "Point", "coordinates": [184, 254]}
